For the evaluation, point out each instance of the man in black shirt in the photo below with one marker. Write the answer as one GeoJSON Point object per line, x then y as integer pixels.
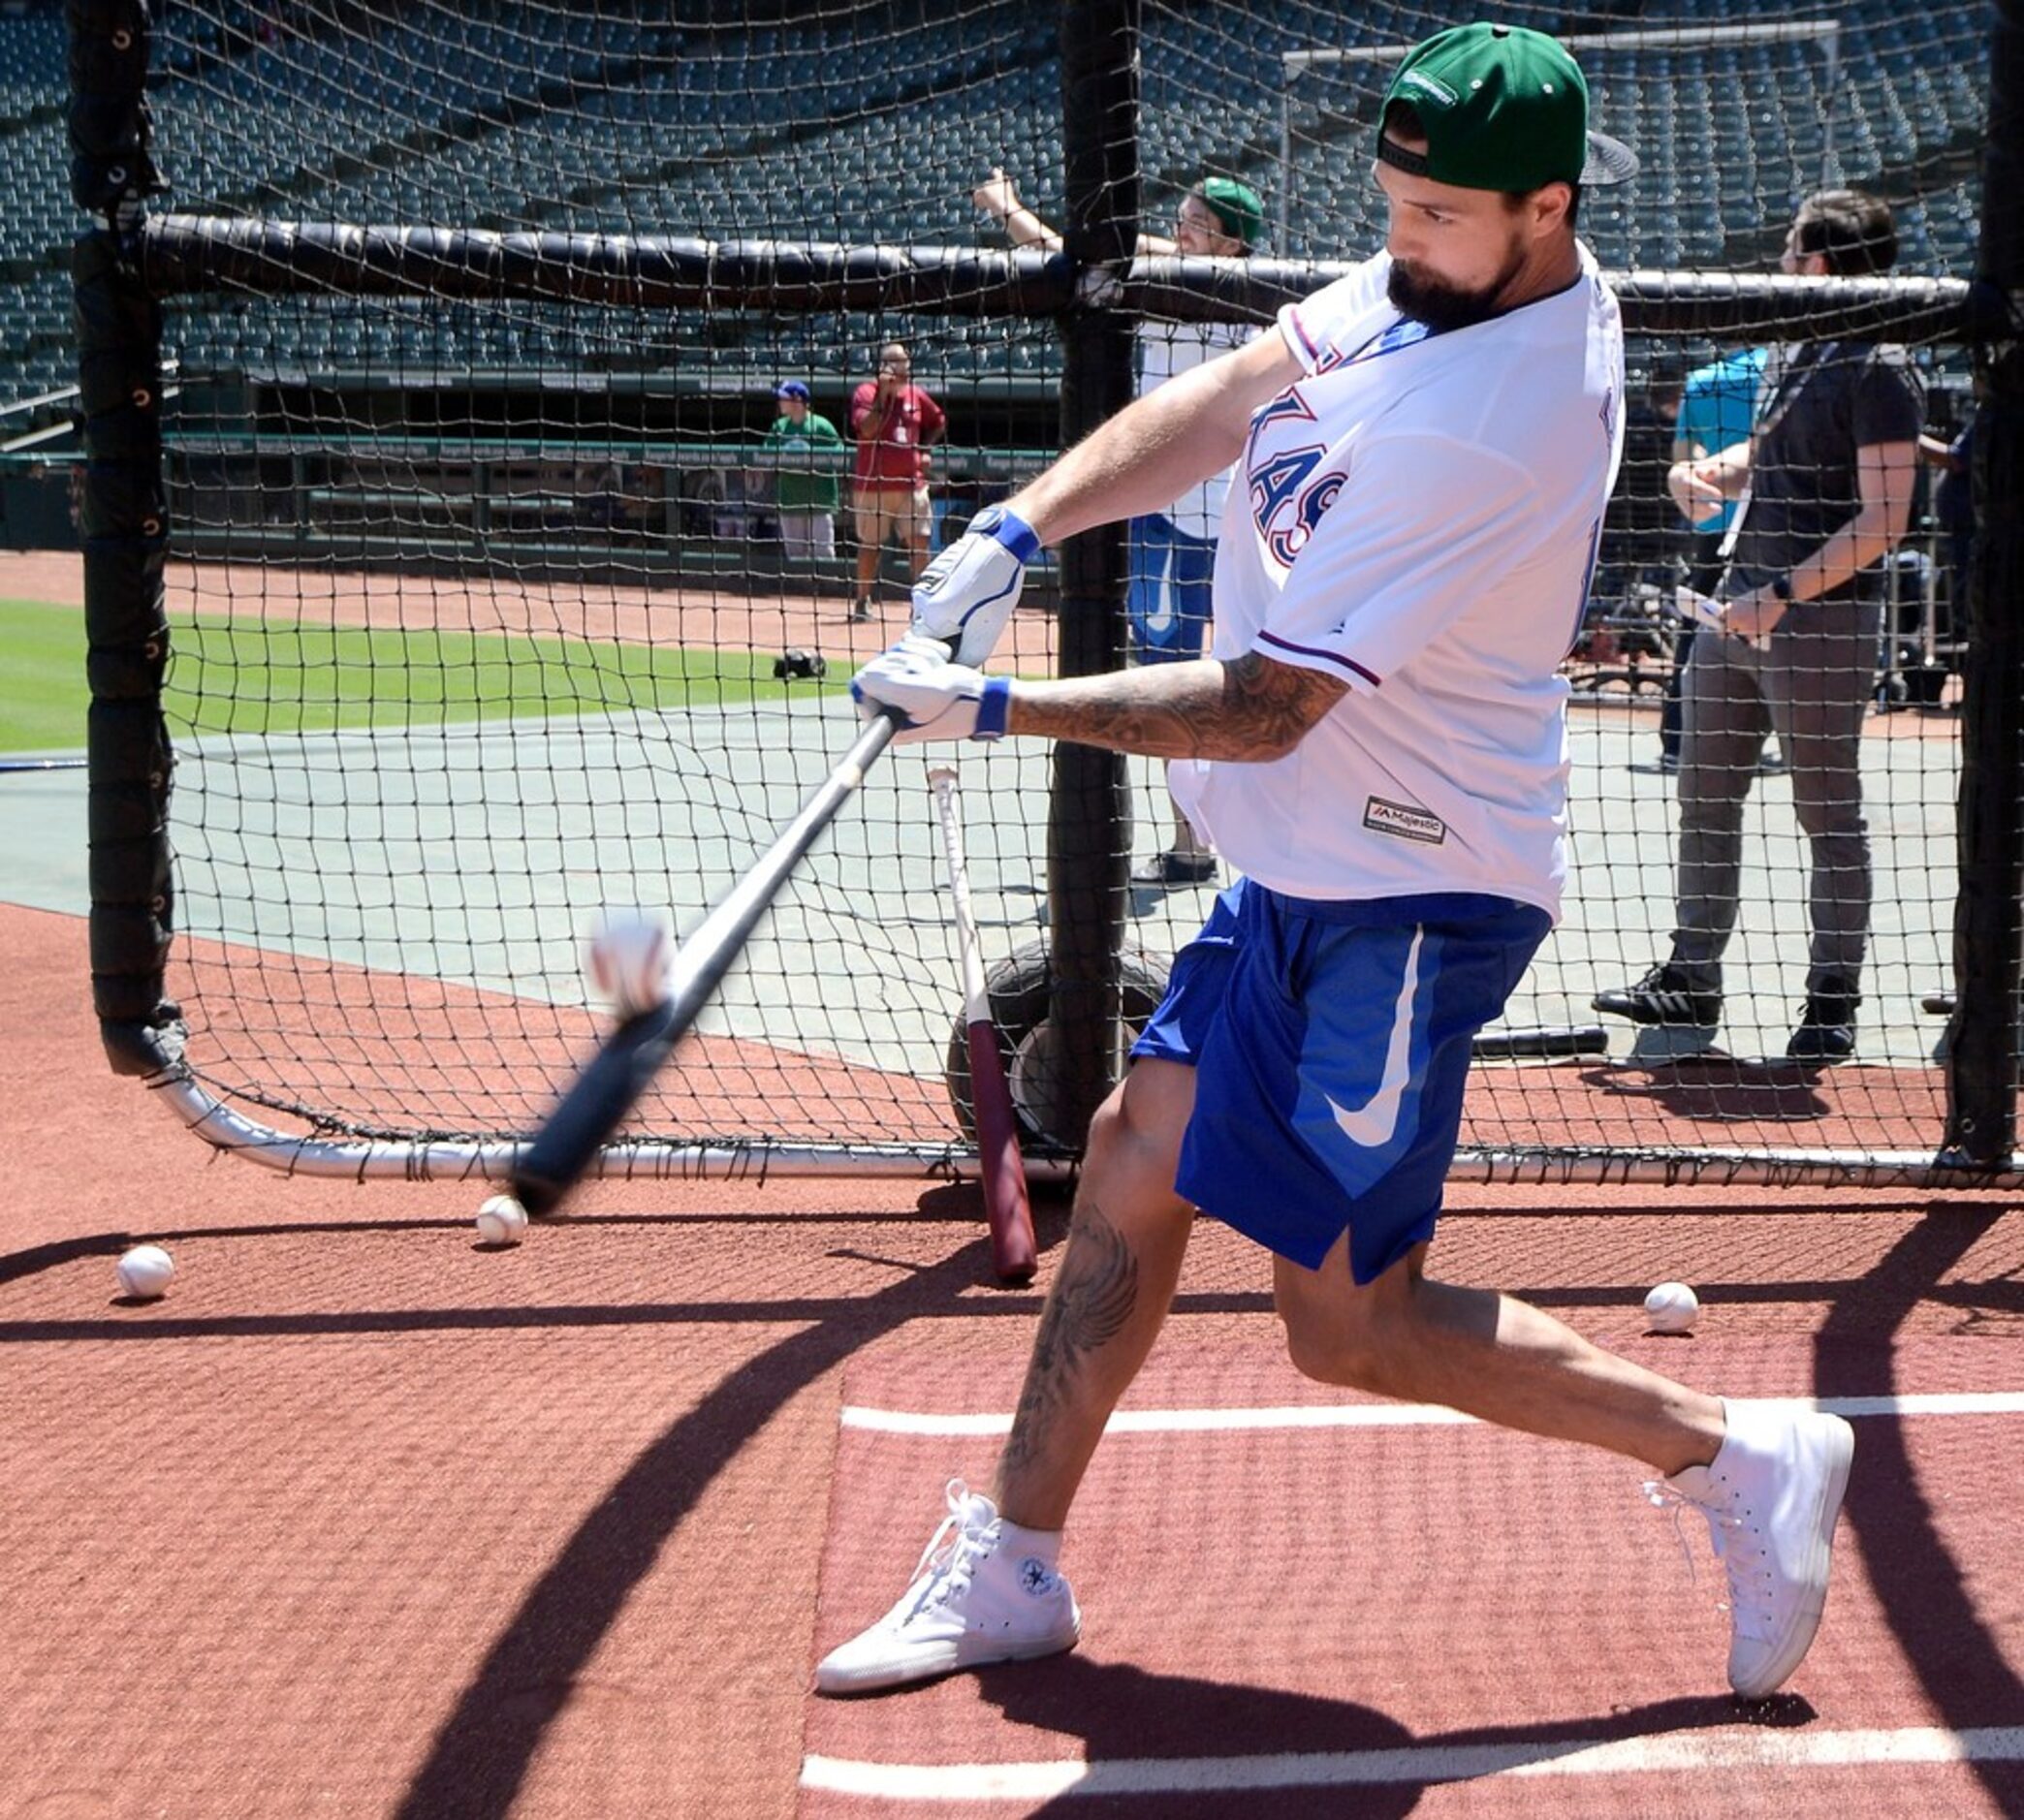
{"type": "Point", "coordinates": [1823, 489]}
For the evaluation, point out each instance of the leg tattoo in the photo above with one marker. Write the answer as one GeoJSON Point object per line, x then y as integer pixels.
{"type": "Point", "coordinates": [1091, 1304]}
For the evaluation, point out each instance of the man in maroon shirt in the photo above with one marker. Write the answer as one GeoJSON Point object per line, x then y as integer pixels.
{"type": "Point", "coordinates": [896, 424]}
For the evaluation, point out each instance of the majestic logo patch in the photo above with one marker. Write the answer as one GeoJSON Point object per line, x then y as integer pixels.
{"type": "Point", "coordinates": [1408, 824]}
{"type": "Point", "coordinates": [1429, 86]}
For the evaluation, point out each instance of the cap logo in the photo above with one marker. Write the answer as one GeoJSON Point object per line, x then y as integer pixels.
{"type": "Point", "coordinates": [1439, 90]}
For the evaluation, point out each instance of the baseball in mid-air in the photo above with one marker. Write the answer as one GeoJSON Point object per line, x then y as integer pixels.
{"type": "Point", "coordinates": [144, 1271]}
{"type": "Point", "coordinates": [501, 1221]}
{"type": "Point", "coordinates": [628, 956]}
{"type": "Point", "coordinates": [1671, 1309]}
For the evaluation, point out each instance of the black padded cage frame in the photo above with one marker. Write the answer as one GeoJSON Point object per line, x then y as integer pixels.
{"type": "Point", "coordinates": [1096, 289]}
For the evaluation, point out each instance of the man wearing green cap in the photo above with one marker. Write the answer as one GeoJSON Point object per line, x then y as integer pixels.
{"type": "Point", "coordinates": [1172, 551]}
{"type": "Point", "coordinates": [1378, 742]}
{"type": "Point", "coordinates": [1225, 221]}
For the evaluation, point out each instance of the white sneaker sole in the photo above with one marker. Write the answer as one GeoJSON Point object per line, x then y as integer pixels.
{"type": "Point", "coordinates": [1777, 1669]}
{"type": "Point", "coordinates": [929, 1662]}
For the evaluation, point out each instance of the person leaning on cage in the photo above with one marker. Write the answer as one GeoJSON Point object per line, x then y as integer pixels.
{"type": "Point", "coordinates": [804, 498]}
{"type": "Point", "coordinates": [896, 423]}
{"type": "Point", "coordinates": [1378, 742]}
{"type": "Point", "coordinates": [1172, 551]}
{"type": "Point", "coordinates": [1824, 493]}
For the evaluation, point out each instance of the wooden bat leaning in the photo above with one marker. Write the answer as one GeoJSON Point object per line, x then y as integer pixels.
{"type": "Point", "coordinates": [1013, 1253]}
{"type": "Point", "coordinates": [612, 1079]}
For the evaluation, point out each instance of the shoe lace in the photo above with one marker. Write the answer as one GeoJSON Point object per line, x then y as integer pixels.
{"type": "Point", "coordinates": [1834, 1004]}
{"type": "Point", "coordinates": [1666, 979]}
{"type": "Point", "coordinates": [1662, 1495]}
{"type": "Point", "coordinates": [953, 1552]}
{"type": "Point", "coordinates": [1744, 1556]}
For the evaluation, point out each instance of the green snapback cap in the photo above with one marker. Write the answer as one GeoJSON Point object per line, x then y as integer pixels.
{"type": "Point", "coordinates": [1504, 107]}
{"type": "Point", "coordinates": [1236, 205]}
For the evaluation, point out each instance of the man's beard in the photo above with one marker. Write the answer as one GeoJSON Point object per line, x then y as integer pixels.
{"type": "Point", "coordinates": [1443, 306]}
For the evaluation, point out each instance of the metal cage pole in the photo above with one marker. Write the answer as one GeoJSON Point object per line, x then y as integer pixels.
{"type": "Point", "coordinates": [1088, 845]}
{"type": "Point", "coordinates": [1982, 1064]}
{"type": "Point", "coordinates": [125, 520]}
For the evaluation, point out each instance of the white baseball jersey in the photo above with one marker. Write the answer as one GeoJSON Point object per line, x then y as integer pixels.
{"type": "Point", "coordinates": [1418, 517]}
{"type": "Point", "coordinates": [1165, 351]}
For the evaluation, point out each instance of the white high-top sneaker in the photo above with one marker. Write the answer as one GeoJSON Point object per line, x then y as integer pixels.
{"type": "Point", "coordinates": [972, 1601]}
{"type": "Point", "coordinates": [1771, 1498]}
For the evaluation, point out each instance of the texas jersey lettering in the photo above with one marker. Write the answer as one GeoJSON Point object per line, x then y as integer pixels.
{"type": "Point", "coordinates": [1417, 515]}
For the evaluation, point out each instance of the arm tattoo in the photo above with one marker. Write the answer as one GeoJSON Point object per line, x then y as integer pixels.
{"type": "Point", "coordinates": [1250, 708]}
{"type": "Point", "coordinates": [1091, 1304]}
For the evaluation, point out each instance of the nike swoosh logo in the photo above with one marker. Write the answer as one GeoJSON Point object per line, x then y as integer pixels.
{"type": "Point", "coordinates": [1373, 1124]}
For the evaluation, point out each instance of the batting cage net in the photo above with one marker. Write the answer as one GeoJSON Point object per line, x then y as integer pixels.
{"type": "Point", "coordinates": [519, 543]}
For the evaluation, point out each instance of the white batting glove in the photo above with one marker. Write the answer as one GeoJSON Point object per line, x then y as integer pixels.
{"type": "Point", "coordinates": [966, 595]}
{"type": "Point", "coordinates": [932, 698]}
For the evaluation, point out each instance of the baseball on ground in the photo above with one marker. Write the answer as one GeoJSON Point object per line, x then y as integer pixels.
{"type": "Point", "coordinates": [144, 1271]}
{"type": "Point", "coordinates": [503, 1221]}
{"type": "Point", "coordinates": [1671, 1309]}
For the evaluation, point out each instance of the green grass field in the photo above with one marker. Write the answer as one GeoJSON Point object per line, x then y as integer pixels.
{"type": "Point", "coordinates": [42, 683]}
{"type": "Point", "coordinates": [255, 677]}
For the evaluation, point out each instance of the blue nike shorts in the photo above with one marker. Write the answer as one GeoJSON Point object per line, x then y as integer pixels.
{"type": "Point", "coordinates": [1331, 1044]}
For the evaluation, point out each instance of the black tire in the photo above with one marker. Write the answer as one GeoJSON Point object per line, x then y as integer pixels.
{"type": "Point", "coordinates": [1017, 986]}
{"type": "Point", "coordinates": [1925, 683]}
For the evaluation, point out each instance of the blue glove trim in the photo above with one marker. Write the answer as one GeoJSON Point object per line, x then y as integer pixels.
{"type": "Point", "coordinates": [1009, 531]}
{"type": "Point", "coordinates": [993, 708]}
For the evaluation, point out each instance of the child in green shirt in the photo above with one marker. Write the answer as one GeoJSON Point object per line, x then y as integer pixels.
{"type": "Point", "coordinates": [804, 498]}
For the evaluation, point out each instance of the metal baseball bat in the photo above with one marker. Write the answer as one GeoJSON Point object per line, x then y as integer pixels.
{"type": "Point", "coordinates": [1014, 1253]}
{"type": "Point", "coordinates": [611, 1082]}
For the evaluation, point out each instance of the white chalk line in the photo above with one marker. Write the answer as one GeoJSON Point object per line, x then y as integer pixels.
{"type": "Point", "coordinates": [1393, 1415]}
{"type": "Point", "coordinates": [1739, 1749]}
{"type": "Point", "coordinates": [1749, 1748]}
